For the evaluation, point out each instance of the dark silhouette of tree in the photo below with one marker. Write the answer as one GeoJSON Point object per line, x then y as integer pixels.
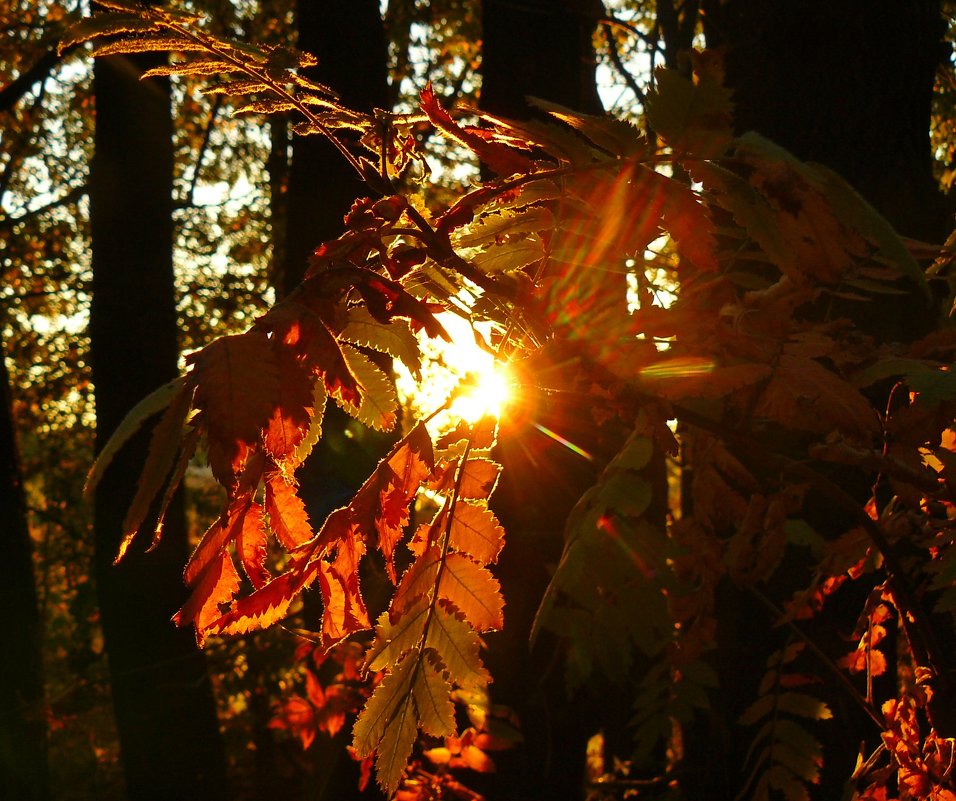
{"type": "Point", "coordinates": [162, 695]}
{"type": "Point", "coordinates": [23, 751]}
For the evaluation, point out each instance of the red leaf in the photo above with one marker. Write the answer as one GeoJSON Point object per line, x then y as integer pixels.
{"type": "Point", "coordinates": [501, 159]}
{"type": "Point", "coordinates": [293, 412]}
{"type": "Point", "coordinates": [251, 547]}
{"type": "Point", "coordinates": [237, 387]}
{"type": "Point", "coordinates": [382, 503]}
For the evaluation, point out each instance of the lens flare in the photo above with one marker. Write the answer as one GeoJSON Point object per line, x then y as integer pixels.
{"type": "Point", "coordinates": [487, 392]}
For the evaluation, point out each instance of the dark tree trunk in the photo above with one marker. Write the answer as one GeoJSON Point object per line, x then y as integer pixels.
{"type": "Point", "coordinates": [847, 85]}
{"type": "Point", "coordinates": [541, 48]}
{"type": "Point", "coordinates": [162, 696]}
{"type": "Point", "coordinates": [538, 48]}
{"type": "Point", "coordinates": [349, 41]}
{"type": "Point", "coordinates": [23, 749]}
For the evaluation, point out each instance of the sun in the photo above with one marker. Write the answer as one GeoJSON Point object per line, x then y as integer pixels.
{"type": "Point", "coordinates": [461, 376]}
{"type": "Point", "coordinates": [485, 391]}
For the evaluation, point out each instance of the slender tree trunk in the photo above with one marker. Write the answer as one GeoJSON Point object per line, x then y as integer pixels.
{"type": "Point", "coordinates": [162, 696]}
{"type": "Point", "coordinates": [23, 748]}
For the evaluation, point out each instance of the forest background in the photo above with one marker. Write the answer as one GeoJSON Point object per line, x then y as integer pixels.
{"type": "Point", "coordinates": [219, 214]}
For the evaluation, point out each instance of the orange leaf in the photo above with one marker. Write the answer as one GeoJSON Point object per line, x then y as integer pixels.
{"type": "Point", "coordinates": [382, 503]}
{"type": "Point", "coordinates": [217, 585]}
{"type": "Point", "coordinates": [269, 604]}
{"type": "Point", "coordinates": [473, 591]}
{"type": "Point", "coordinates": [287, 516]}
{"type": "Point", "coordinates": [225, 530]}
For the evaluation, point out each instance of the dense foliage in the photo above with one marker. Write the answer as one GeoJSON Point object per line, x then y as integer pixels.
{"type": "Point", "coordinates": [718, 306]}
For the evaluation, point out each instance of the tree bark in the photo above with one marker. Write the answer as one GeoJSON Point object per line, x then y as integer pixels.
{"type": "Point", "coordinates": [23, 745]}
{"type": "Point", "coordinates": [162, 696]}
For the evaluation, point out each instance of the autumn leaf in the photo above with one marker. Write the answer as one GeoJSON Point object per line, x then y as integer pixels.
{"type": "Point", "coordinates": [292, 415]}
{"type": "Point", "coordinates": [237, 387]}
{"type": "Point", "coordinates": [503, 160]}
{"type": "Point", "coordinates": [217, 585]}
{"type": "Point", "coordinates": [378, 402]}
{"type": "Point", "coordinates": [164, 444]}
{"type": "Point", "coordinates": [287, 516]}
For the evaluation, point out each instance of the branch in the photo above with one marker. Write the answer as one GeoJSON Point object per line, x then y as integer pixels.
{"type": "Point", "coordinates": [206, 136]}
{"type": "Point", "coordinates": [72, 196]}
{"type": "Point", "coordinates": [615, 55]}
{"type": "Point", "coordinates": [13, 92]}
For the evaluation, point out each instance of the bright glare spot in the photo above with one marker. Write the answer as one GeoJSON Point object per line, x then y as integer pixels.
{"type": "Point", "coordinates": [488, 394]}
{"type": "Point", "coordinates": [462, 367]}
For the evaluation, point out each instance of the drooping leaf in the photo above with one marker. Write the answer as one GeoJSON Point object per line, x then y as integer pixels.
{"type": "Point", "coordinates": [219, 535]}
{"type": "Point", "coordinates": [292, 415]}
{"type": "Point", "coordinates": [251, 547]}
{"type": "Point", "coordinates": [432, 692]}
{"type": "Point", "coordinates": [314, 433]}
{"type": "Point", "coordinates": [237, 387]}
{"type": "Point", "coordinates": [381, 708]}
{"type": "Point", "coordinates": [163, 447]}
{"type": "Point", "coordinates": [135, 418]}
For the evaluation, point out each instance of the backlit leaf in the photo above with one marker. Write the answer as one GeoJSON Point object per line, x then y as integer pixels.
{"type": "Point", "coordinates": [394, 338]}
{"type": "Point", "coordinates": [432, 693]}
{"type": "Point", "coordinates": [164, 444]}
{"type": "Point", "coordinates": [155, 402]}
{"type": "Point", "coordinates": [287, 516]}
{"type": "Point", "coordinates": [217, 585]}
{"type": "Point", "coordinates": [377, 404]}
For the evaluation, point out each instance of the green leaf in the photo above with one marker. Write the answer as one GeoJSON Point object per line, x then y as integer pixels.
{"type": "Point", "coordinates": [457, 645]}
{"type": "Point", "coordinates": [152, 404]}
{"type": "Point", "coordinates": [491, 227]}
{"type": "Point", "coordinates": [381, 709]}
{"type": "Point", "coordinates": [852, 209]}
{"type": "Point", "coordinates": [692, 117]}
{"type": "Point", "coordinates": [509, 257]}
{"type": "Point", "coordinates": [396, 747]}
